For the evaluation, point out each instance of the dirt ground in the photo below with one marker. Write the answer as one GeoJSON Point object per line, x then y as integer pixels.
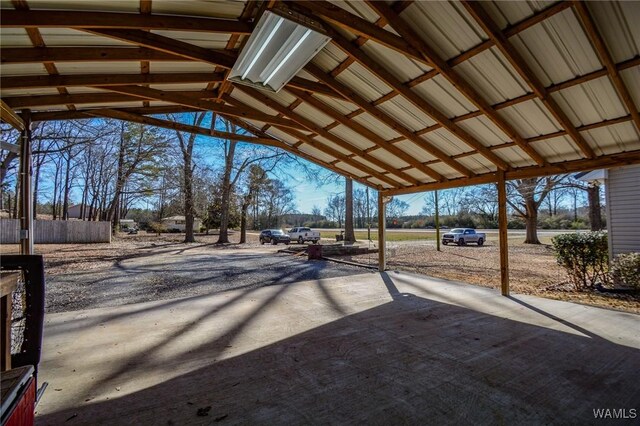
{"type": "Point", "coordinates": [532, 268]}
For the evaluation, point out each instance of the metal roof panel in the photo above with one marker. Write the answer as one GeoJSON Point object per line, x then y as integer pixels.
{"type": "Point", "coordinates": [617, 22]}
{"type": "Point", "coordinates": [558, 149]}
{"type": "Point", "coordinates": [376, 126]}
{"type": "Point", "coordinates": [484, 130]}
{"type": "Point", "coordinates": [353, 138]}
{"type": "Point", "coordinates": [363, 82]}
{"type": "Point", "coordinates": [406, 114]}
{"type": "Point", "coordinates": [530, 119]}
{"type": "Point", "coordinates": [15, 37]}
{"type": "Point", "coordinates": [66, 37]}
{"type": "Point", "coordinates": [444, 97]}
{"type": "Point", "coordinates": [403, 68]}
{"type": "Point", "coordinates": [611, 139]}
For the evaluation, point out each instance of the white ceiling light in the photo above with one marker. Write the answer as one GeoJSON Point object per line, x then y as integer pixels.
{"type": "Point", "coordinates": [281, 44]}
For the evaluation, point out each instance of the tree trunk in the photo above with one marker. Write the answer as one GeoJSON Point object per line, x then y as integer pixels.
{"type": "Point", "coordinates": [532, 223]}
{"type": "Point", "coordinates": [595, 212]}
{"type": "Point", "coordinates": [226, 194]}
{"type": "Point", "coordinates": [188, 200]}
{"type": "Point", "coordinates": [243, 221]}
{"type": "Point", "coordinates": [349, 234]}
{"type": "Point", "coordinates": [67, 189]}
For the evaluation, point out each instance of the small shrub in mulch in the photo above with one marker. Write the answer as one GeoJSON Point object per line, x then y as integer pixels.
{"type": "Point", "coordinates": [625, 270]}
{"type": "Point", "coordinates": [584, 256]}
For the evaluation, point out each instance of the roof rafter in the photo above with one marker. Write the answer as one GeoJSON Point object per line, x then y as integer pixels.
{"type": "Point", "coordinates": [310, 125]}
{"type": "Point", "coordinates": [605, 57]}
{"type": "Point", "coordinates": [386, 119]}
{"type": "Point", "coordinates": [178, 98]}
{"type": "Point", "coordinates": [387, 77]}
{"type": "Point", "coordinates": [515, 59]}
{"type": "Point", "coordinates": [613, 160]}
{"type": "Point", "coordinates": [408, 34]}
{"type": "Point", "coordinates": [365, 132]}
{"type": "Point", "coordinates": [168, 124]}
{"type": "Point", "coordinates": [107, 79]}
{"type": "Point", "coordinates": [95, 19]}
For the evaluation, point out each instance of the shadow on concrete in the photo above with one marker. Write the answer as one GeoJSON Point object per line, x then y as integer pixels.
{"type": "Point", "coordinates": [409, 361]}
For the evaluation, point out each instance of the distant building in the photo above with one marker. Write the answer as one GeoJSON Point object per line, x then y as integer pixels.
{"type": "Point", "coordinates": [77, 212]}
{"type": "Point", "coordinates": [128, 224]}
{"type": "Point", "coordinates": [622, 196]}
{"type": "Point", "coordinates": [179, 223]}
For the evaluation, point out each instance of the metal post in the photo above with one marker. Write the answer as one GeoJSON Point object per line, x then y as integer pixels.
{"type": "Point", "coordinates": [502, 231]}
{"type": "Point", "coordinates": [368, 217]}
{"type": "Point", "coordinates": [382, 243]}
{"type": "Point", "coordinates": [437, 224]}
{"type": "Point", "coordinates": [26, 200]}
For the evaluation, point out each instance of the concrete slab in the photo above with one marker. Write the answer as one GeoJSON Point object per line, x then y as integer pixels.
{"type": "Point", "coordinates": [374, 348]}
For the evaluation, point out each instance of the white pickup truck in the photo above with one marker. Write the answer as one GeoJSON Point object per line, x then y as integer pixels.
{"type": "Point", "coordinates": [462, 236]}
{"type": "Point", "coordinates": [302, 235]}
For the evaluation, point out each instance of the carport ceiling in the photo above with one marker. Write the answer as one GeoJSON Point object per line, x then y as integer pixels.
{"type": "Point", "coordinates": [407, 96]}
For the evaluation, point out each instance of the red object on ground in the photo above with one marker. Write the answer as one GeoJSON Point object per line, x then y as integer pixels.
{"type": "Point", "coordinates": [19, 397]}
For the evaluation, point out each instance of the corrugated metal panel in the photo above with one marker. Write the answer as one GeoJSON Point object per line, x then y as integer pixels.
{"type": "Point", "coordinates": [119, 67]}
{"type": "Point", "coordinates": [631, 79]}
{"type": "Point", "coordinates": [369, 164]}
{"type": "Point", "coordinates": [201, 39]}
{"type": "Point", "coordinates": [484, 130]}
{"type": "Point", "coordinates": [558, 149]}
{"type": "Point", "coordinates": [28, 92]}
{"type": "Point", "coordinates": [329, 57]}
{"type": "Point", "coordinates": [78, 90]}
{"type": "Point", "coordinates": [358, 8]}
{"type": "Point", "coordinates": [515, 156]}
{"type": "Point", "coordinates": [403, 68]}
{"type": "Point", "coordinates": [618, 25]}
{"type": "Point", "coordinates": [444, 97]}
{"type": "Point", "coordinates": [14, 37]}
{"type": "Point", "coordinates": [406, 113]}
{"type": "Point", "coordinates": [378, 182]}
{"type": "Point", "coordinates": [590, 102]}
{"type": "Point", "coordinates": [492, 76]}
{"type": "Point", "coordinates": [350, 169]}
{"type": "Point", "coordinates": [444, 170]}
{"type": "Point", "coordinates": [352, 137]}
{"type": "Point", "coordinates": [304, 74]}
{"type": "Point", "coordinates": [611, 139]}
{"type": "Point", "coordinates": [219, 9]}
{"type": "Point", "coordinates": [180, 87]}
{"type": "Point", "coordinates": [530, 119]}
{"type": "Point", "coordinates": [283, 97]}
{"type": "Point", "coordinates": [252, 102]}
{"type": "Point", "coordinates": [420, 176]}
{"type": "Point", "coordinates": [446, 141]}
{"type": "Point", "coordinates": [314, 115]}
{"type": "Point", "coordinates": [506, 13]}
{"type": "Point", "coordinates": [280, 135]}
{"type": "Point", "coordinates": [362, 81]}
{"type": "Point", "coordinates": [110, 6]}
{"type": "Point", "coordinates": [558, 49]}
{"type": "Point", "coordinates": [624, 207]}
{"type": "Point", "coordinates": [186, 66]}
{"type": "Point", "coordinates": [415, 151]}
{"type": "Point", "coordinates": [23, 69]}
{"type": "Point", "coordinates": [388, 158]}
{"type": "Point", "coordinates": [376, 126]}
{"type": "Point", "coordinates": [63, 37]}
{"type": "Point", "coordinates": [335, 146]}
{"type": "Point", "coordinates": [446, 26]}
{"type": "Point", "coordinates": [478, 164]}
{"type": "Point", "coordinates": [342, 107]}
{"type": "Point", "coordinates": [308, 149]}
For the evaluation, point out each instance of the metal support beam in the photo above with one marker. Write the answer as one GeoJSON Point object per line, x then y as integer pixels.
{"type": "Point", "coordinates": [382, 231]}
{"type": "Point", "coordinates": [26, 209]}
{"type": "Point", "coordinates": [437, 222]}
{"type": "Point", "coordinates": [502, 231]}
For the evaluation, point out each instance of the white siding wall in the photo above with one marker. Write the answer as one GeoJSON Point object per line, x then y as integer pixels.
{"type": "Point", "coordinates": [623, 208]}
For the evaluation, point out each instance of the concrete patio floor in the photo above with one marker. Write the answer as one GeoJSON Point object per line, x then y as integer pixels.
{"type": "Point", "coordinates": [390, 348]}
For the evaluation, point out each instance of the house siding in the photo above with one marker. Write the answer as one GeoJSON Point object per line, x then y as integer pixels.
{"type": "Point", "coordinates": [623, 207]}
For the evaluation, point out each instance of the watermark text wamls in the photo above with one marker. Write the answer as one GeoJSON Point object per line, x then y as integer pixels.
{"type": "Point", "coordinates": [614, 413]}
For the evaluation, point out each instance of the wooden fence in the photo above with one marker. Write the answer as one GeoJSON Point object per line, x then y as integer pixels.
{"type": "Point", "coordinates": [57, 231]}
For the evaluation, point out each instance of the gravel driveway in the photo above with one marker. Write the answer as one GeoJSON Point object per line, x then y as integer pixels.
{"type": "Point", "coordinates": [179, 270]}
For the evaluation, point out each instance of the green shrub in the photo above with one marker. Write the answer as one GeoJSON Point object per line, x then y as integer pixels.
{"type": "Point", "coordinates": [625, 270]}
{"type": "Point", "coordinates": [584, 256]}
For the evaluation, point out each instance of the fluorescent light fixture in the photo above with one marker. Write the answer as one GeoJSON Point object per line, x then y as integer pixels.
{"type": "Point", "coordinates": [281, 44]}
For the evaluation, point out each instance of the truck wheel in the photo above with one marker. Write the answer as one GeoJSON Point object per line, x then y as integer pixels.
{"type": "Point", "coordinates": [287, 243]}
{"type": "Point", "coordinates": [480, 241]}
{"type": "Point", "coordinates": [315, 241]}
{"type": "Point", "coordinates": [300, 240]}
{"type": "Point", "coordinates": [274, 242]}
{"type": "Point", "coordinates": [461, 242]}
{"type": "Point", "coordinates": [445, 243]}
{"type": "Point", "coordinates": [261, 241]}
